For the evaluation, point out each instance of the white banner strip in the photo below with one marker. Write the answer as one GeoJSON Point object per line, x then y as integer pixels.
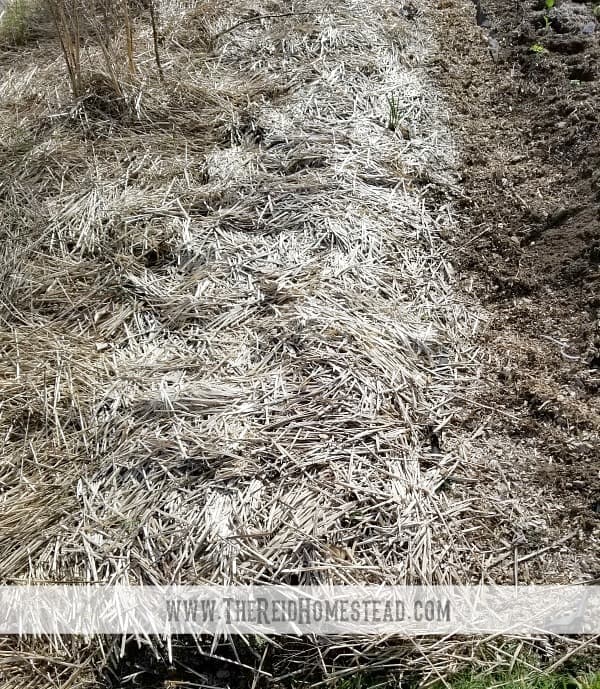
{"type": "Point", "coordinates": [275, 610]}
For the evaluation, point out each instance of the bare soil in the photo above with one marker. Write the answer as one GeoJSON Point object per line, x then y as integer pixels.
{"type": "Point", "coordinates": [523, 86]}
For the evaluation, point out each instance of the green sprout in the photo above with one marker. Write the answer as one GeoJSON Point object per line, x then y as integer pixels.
{"type": "Point", "coordinates": [394, 116]}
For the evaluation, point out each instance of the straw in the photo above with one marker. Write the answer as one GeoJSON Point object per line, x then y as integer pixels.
{"type": "Point", "coordinates": [233, 349]}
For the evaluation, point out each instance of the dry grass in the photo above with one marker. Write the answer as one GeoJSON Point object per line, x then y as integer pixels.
{"type": "Point", "coordinates": [232, 350]}
{"type": "Point", "coordinates": [109, 25]}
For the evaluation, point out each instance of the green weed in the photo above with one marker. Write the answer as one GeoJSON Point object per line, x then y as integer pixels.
{"type": "Point", "coordinates": [518, 679]}
{"type": "Point", "coordinates": [527, 681]}
{"type": "Point", "coordinates": [547, 22]}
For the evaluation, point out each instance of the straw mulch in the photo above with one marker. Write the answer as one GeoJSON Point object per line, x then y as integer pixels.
{"type": "Point", "coordinates": [232, 349]}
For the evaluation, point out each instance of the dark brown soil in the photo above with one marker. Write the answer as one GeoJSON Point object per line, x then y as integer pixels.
{"type": "Point", "coordinates": [524, 87]}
